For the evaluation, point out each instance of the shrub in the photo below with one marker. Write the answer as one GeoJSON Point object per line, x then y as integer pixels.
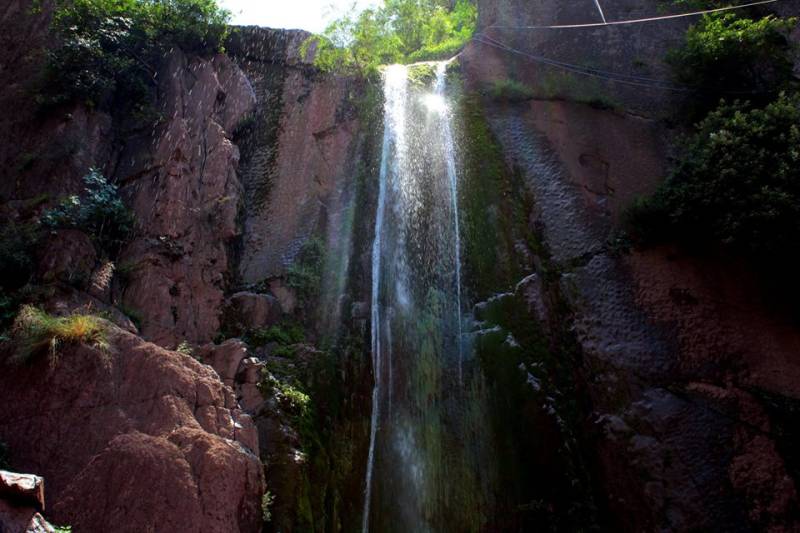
{"type": "Point", "coordinates": [291, 399]}
{"type": "Point", "coordinates": [266, 506]}
{"type": "Point", "coordinates": [305, 274]}
{"type": "Point", "coordinates": [185, 348]}
{"type": "Point", "coordinates": [285, 334]}
{"type": "Point", "coordinates": [507, 90]}
{"type": "Point", "coordinates": [36, 332]}
{"type": "Point", "coordinates": [100, 213]}
{"type": "Point", "coordinates": [725, 54]}
{"type": "Point", "coordinates": [737, 185]}
{"type": "Point", "coordinates": [109, 50]}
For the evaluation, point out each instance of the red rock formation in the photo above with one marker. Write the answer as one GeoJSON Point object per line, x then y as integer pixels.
{"type": "Point", "coordinates": [185, 193]}
{"type": "Point", "coordinates": [134, 439]}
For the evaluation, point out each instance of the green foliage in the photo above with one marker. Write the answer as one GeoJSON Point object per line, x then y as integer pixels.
{"type": "Point", "coordinates": [134, 314]}
{"type": "Point", "coordinates": [305, 274]}
{"type": "Point", "coordinates": [185, 348]}
{"type": "Point", "coordinates": [109, 50]}
{"type": "Point", "coordinates": [737, 185]}
{"type": "Point", "coordinates": [36, 332]}
{"type": "Point", "coordinates": [284, 334]}
{"type": "Point", "coordinates": [17, 248]}
{"type": "Point", "coordinates": [266, 506]}
{"type": "Point", "coordinates": [508, 90]}
{"type": "Point", "coordinates": [63, 529]}
{"type": "Point", "coordinates": [100, 213]}
{"type": "Point", "coordinates": [403, 31]}
{"type": "Point", "coordinates": [290, 398]}
{"type": "Point", "coordinates": [726, 54]}
{"type": "Point", "coordinates": [421, 75]}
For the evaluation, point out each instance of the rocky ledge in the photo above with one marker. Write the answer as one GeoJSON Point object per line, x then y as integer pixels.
{"type": "Point", "coordinates": [133, 438]}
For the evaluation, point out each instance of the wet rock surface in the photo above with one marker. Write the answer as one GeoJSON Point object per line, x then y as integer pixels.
{"type": "Point", "coordinates": [679, 352]}
{"type": "Point", "coordinates": [298, 150]}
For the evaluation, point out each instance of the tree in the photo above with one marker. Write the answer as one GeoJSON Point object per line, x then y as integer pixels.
{"type": "Point", "coordinates": [737, 185]}
{"type": "Point", "coordinates": [728, 55]}
{"type": "Point", "coordinates": [398, 31]}
{"type": "Point", "coordinates": [109, 51]}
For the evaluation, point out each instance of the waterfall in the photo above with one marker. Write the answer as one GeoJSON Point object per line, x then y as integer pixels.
{"type": "Point", "coordinates": [395, 83]}
{"type": "Point", "coordinates": [450, 158]}
{"type": "Point", "coordinates": [424, 464]}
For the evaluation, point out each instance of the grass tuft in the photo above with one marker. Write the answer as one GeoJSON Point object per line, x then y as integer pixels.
{"type": "Point", "coordinates": [37, 332]}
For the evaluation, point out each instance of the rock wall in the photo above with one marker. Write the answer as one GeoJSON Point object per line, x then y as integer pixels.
{"type": "Point", "coordinates": [690, 374]}
{"type": "Point", "coordinates": [182, 182]}
{"type": "Point", "coordinates": [133, 438]}
{"type": "Point", "coordinates": [302, 150]}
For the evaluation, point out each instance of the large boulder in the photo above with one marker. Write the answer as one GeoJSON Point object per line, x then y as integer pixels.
{"type": "Point", "coordinates": [133, 438]}
{"type": "Point", "coordinates": [249, 310]}
{"type": "Point", "coordinates": [21, 500]}
{"type": "Point", "coordinates": [24, 489]}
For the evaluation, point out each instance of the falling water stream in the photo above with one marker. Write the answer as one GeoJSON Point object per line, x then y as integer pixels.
{"type": "Point", "coordinates": [426, 466]}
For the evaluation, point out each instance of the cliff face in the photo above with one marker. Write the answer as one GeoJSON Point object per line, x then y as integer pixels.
{"type": "Point", "coordinates": [163, 430]}
{"type": "Point", "coordinates": [133, 437]}
{"type": "Point", "coordinates": [689, 376]}
{"type": "Point", "coordinates": [684, 381]}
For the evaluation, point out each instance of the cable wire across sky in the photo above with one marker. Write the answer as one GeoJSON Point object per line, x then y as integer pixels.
{"type": "Point", "coordinates": [632, 21]}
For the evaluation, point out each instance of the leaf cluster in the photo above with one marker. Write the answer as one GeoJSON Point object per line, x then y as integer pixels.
{"type": "Point", "coordinates": [109, 51]}
{"type": "Point", "coordinates": [737, 185]}
{"type": "Point", "coordinates": [100, 213]}
{"type": "Point", "coordinates": [398, 31]}
{"type": "Point", "coordinates": [725, 54]}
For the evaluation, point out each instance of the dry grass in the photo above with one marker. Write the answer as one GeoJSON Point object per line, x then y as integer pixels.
{"type": "Point", "coordinates": [37, 332]}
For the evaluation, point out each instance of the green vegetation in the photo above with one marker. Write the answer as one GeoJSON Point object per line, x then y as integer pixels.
{"type": "Point", "coordinates": [63, 529]}
{"type": "Point", "coordinates": [185, 348]}
{"type": "Point", "coordinates": [266, 506]}
{"type": "Point", "coordinates": [508, 90]}
{"type": "Point", "coordinates": [290, 398]}
{"type": "Point", "coordinates": [727, 54]}
{"type": "Point", "coordinates": [305, 274]}
{"type": "Point", "coordinates": [36, 332]}
{"type": "Point", "coordinates": [737, 185]}
{"type": "Point", "coordinates": [134, 314]}
{"type": "Point", "coordinates": [284, 334]}
{"type": "Point", "coordinates": [399, 31]}
{"type": "Point", "coordinates": [109, 51]}
{"type": "Point", "coordinates": [495, 207]}
{"type": "Point", "coordinates": [100, 213]}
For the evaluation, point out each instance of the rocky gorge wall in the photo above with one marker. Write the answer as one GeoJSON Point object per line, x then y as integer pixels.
{"type": "Point", "coordinates": [161, 429]}
{"type": "Point", "coordinates": [662, 390]}
{"type": "Point", "coordinates": [688, 373]}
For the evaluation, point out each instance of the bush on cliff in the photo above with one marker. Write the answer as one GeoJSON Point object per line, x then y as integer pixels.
{"type": "Point", "coordinates": [725, 54]}
{"type": "Point", "coordinates": [109, 51]}
{"type": "Point", "coordinates": [399, 31]}
{"type": "Point", "coordinates": [100, 213]}
{"type": "Point", "coordinates": [737, 185]}
{"type": "Point", "coordinates": [37, 332]}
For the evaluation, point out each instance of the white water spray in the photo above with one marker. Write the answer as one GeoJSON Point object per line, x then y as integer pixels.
{"type": "Point", "coordinates": [395, 85]}
{"type": "Point", "coordinates": [450, 159]}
